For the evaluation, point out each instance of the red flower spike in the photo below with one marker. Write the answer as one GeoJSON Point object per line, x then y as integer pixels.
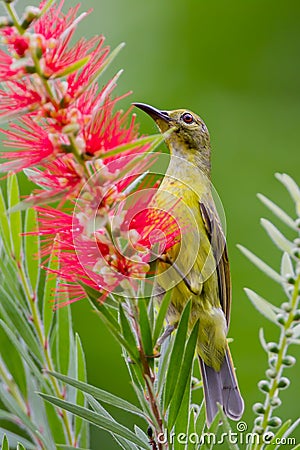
{"type": "Point", "coordinates": [33, 142]}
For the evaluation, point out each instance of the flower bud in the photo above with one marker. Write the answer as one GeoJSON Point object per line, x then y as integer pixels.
{"type": "Point", "coordinates": [288, 361]}
{"type": "Point", "coordinates": [274, 422]}
{"type": "Point", "coordinates": [273, 361]}
{"type": "Point", "coordinates": [271, 373]}
{"type": "Point", "coordinates": [264, 386]}
{"type": "Point", "coordinates": [297, 315]}
{"type": "Point", "coordinates": [280, 318]}
{"type": "Point", "coordinates": [289, 333]}
{"type": "Point", "coordinates": [275, 402]}
{"type": "Point", "coordinates": [286, 307]}
{"type": "Point", "coordinates": [5, 22]}
{"type": "Point", "coordinates": [283, 383]}
{"type": "Point", "coordinates": [258, 408]}
{"type": "Point", "coordinates": [296, 252]}
{"type": "Point", "coordinates": [290, 278]}
{"type": "Point", "coordinates": [30, 13]}
{"type": "Point", "coordinates": [297, 223]}
{"type": "Point", "coordinates": [258, 430]}
{"type": "Point", "coordinates": [272, 347]}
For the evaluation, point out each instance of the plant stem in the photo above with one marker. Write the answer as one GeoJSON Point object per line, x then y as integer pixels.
{"type": "Point", "coordinates": [282, 347]}
{"type": "Point", "coordinates": [148, 377]}
{"type": "Point", "coordinates": [38, 325]}
{"type": "Point", "coordinates": [13, 16]}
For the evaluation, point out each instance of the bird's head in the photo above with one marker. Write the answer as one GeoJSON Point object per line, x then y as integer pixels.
{"type": "Point", "coordinates": [190, 132]}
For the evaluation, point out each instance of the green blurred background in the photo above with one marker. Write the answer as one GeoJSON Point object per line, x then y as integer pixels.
{"type": "Point", "coordinates": [237, 65]}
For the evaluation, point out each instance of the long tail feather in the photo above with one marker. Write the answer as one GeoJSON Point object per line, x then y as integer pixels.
{"type": "Point", "coordinates": [221, 387]}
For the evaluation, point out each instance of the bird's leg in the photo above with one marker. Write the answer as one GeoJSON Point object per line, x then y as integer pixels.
{"type": "Point", "coordinates": [165, 258]}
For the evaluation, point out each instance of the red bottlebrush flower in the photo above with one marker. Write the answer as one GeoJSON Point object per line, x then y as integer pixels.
{"type": "Point", "coordinates": [34, 144]}
{"type": "Point", "coordinates": [19, 98]}
{"type": "Point", "coordinates": [60, 179]}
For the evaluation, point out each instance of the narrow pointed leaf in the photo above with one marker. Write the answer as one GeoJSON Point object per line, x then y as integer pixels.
{"type": "Point", "coordinates": [96, 419]}
{"type": "Point", "coordinates": [64, 329]}
{"type": "Point", "coordinates": [99, 394]}
{"type": "Point", "coordinates": [181, 425]}
{"type": "Point", "coordinates": [99, 409]}
{"type": "Point", "coordinates": [80, 375]}
{"type": "Point", "coordinates": [25, 356]}
{"type": "Point", "coordinates": [32, 249]}
{"type": "Point", "coordinates": [176, 355]}
{"type": "Point", "coordinates": [282, 215]}
{"type": "Point", "coordinates": [161, 316]}
{"type": "Point", "coordinates": [184, 376]}
{"type": "Point", "coordinates": [286, 265]}
{"type": "Point", "coordinates": [49, 293]}
{"type": "Point", "coordinates": [128, 334]}
{"type": "Point", "coordinates": [231, 445]}
{"type": "Point", "coordinates": [263, 306]}
{"type": "Point", "coordinates": [5, 445]}
{"type": "Point", "coordinates": [261, 264]}
{"type": "Point", "coordinates": [14, 438]}
{"type": "Point", "coordinates": [277, 237]}
{"type": "Point", "coordinates": [145, 328]}
{"type": "Point", "coordinates": [20, 447]}
{"type": "Point", "coordinates": [72, 68]}
{"type": "Point", "coordinates": [4, 225]}
{"type": "Point", "coordinates": [278, 435]}
{"type": "Point", "coordinates": [292, 187]}
{"type": "Point", "coordinates": [16, 320]}
{"type": "Point", "coordinates": [15, 222]}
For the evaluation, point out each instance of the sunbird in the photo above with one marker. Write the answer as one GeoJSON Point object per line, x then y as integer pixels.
{"type": "Point", "coordinates": [197, 268]}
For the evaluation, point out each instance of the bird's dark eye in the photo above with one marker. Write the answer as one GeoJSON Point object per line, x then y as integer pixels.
{"type": "Point", "coordinates": [187, 118]}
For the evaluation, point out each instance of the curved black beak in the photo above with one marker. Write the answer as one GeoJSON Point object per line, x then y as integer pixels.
{"type": "Point", "coordinates": [153, 112]}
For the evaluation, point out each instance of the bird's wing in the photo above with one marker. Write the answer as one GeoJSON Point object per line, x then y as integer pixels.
{"type": "Point", "coordinates": [218, 244]}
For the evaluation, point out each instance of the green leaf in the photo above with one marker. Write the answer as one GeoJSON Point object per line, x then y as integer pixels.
{"type": "Point", "coordinates": [25, 356]}
{"type": "Point", "coordinates": [200, 421]}
{"type": "Point", "coordinates": [72, 68]}
{"type": "Point", "coordinates": [285, 430]}
{"type": "Point", "coordinates": [5, 445]}
{"type": "Point", "coordinates": [17, 321]}
{"type": "Point", "coordinates": [182, 421]}
{"type": "Point", "coordinates": [14, 438]}
{"type": "Point", "coordinates": [128, 335]}
{"type": "Point", "coordinates": [12, 404]}
{"type": "Point", "coordinates": [277, 237]}
{"type": "Point", "coordinates": [261, 264]}
{"type": "Point", "coordinates": [159, 323]}
{"type": "Point", "coordinates": [292, 188]}
{"type": "Point", "coordinates": [282, 215]}
{"type": "Point", "coordinates": [145, 329]}
{"type": "Point", "coordinates": [32, 248]}
{"type": "Point", "coordinates": [176, 355]}
{"type": "Point", "coordinates": [4, 225]}
{"type": "Point", "coordinates": [20, 447]}
{"type": "Point", "coordinates": [15, 222]}
{"type": "Point", "coordinates": [99, 394]}
{"type": "Point", "coordinates": [228, 430]}
{"type": "Point", "coordinates": [96, 419]}
{"type": "Point", "coordinates": [153, 141]}
{"type": "Point", "coordinates": [263, 306]}
{"type": "Point", "coordinates": [80, 375]}
{"type": "Point", "coordinates": [102, 411]}
{"type": "Point", "coordinates": [64, 329]}
{"type": "Point", "coordinates": [184, 376]}
{"type": "Point", "coordinates": [49, 292]}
